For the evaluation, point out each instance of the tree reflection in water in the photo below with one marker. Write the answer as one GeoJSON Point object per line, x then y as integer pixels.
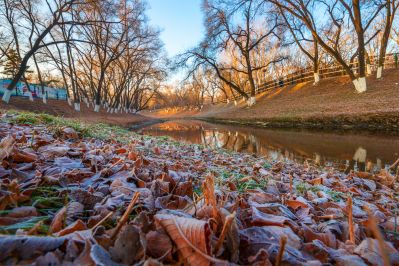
{"type": "Point", "coordinates": [360, 152]}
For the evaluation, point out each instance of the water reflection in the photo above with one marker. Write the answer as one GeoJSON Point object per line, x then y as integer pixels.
{"type": "Point", "coordinates": [346, 151]}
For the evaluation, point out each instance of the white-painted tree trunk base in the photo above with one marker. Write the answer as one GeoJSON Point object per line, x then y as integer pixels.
{"type": "Point", "coordinates": [368, 69]}
{"type": "Point", "coordinates": [97, 108]}
{"type": "Point", "coordinates": [235, 103]}
{"type": "Point", "coordinates": [360, 84]}
{"type": "Point", "coordinates": [360, 155]}
{"type": "Point", "coordinates": [69, 101]}
{"type": "Point", "coordinates": [77, 107]}
{"type": "Point", "coordinates": [6, 96]}
{"type": "Point", "coordinates": [44, 99]}
{"type": "Point", "coordinates": [251, 101]}
{"type": "Point", "coordinates": [228, 101]}
{"type": "Point", "coordinates": [316, 78]}
{"type": "Point", "coordinates": [111, 111]}
{"type": "Point", "coordinates": [30, 96]}
{"type": "Point", "coordinates": [379, 72]}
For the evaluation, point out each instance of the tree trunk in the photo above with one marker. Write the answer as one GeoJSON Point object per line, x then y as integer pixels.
{"type": "Point", "coordinates": [252, 99]}
{"type": "Point", "coordinates": [385, 37]}
{"type": "Point", "coordinates": [39, 74]}
{"type": "Point", "coordinates": [28, 88]}
{"type": "Point", "coordinates": [99, 89]}
{"type": "Point", "coordinates": [6, 96]}
{"type": "Point", "coordinates": [368, 65]}
{"type": "Point", "coordinates": [316, 63]}
{"type": "Point", "coordinates": [360, 84]}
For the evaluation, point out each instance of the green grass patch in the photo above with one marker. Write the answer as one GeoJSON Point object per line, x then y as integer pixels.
{"type": "Point", "coordinates": [26, 225]}
{"type": "Point", "coordinates": [252, 184]}
{"type": "Point", "coordinates": [237, 178]}
{"type": "Point", "coordinates": [302, 187]}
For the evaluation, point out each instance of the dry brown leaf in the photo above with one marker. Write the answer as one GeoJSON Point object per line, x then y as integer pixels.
{"type": "Point", "coordinates": [69, 133]}
{"type": "Point", "coordinates": [370, 251]}
{"type": "Point", "coordinates": [24, 157]}
{"type": "Point", "coordinates": [27, 247]}
{"type": "Point", "coordinates": [128, 248]}
{"type": "Point", "coordinates": [6, 147]}
{"type": "Point", "coordinates": [120, 151]}
{"type": "Point", "coordinates": [79, 225]}
{"type": "Point", "coordinates": [84, 257]}
{"type": "Point", "coordinates": [58, 221]}
{"type": "Point", "coordinates": [208, 188]}
{"type": "Point", "coordinates": [191, 236]}
{"type": "Point", "coordinates": [260, 218]}
{"type": "Point", "coordinates": [327, 238]}
{"type": "Point", "coordinates": [159, 245]}
{"type": "Point", "coordinates": [316, 181]}
{"type": "Point", "coordinates": [132, 156]}
{"type": "Point", "coordinates": [365, 175]}
{"type": "Point", "coordinates": [157, 150]}
{"type": "Point", "coordinates": [295, 204]}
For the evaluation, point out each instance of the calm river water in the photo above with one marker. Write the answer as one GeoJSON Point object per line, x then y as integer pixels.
{"type": "Point", "coordinates": [345, 151]}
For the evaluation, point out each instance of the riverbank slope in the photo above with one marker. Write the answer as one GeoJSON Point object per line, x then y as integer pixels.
{"type": "Point", "coordinates": [332, 104]}
{"type": "Point", "coordinates": [62, 109]}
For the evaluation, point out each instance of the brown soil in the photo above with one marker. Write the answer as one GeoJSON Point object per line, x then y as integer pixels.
{"type": "Point", "coordinates": [333, 102]}
{"type": "Point", "coordinates": [61, 108]}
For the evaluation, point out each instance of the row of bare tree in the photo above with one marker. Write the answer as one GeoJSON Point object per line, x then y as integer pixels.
{"type": "Point", "coordinates": [250, 42]}
{"type": "Point", "coordinates": [104, 52]}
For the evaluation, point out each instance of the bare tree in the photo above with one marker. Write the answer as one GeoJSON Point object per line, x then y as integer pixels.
{"type": "Point", "coordinates": [302, 40]}
{"type": "Point", "coordinates": [330, 37]}
{"type": "Point", "coordinates": [56, 9]}
{"type": "Point", "coordinates": [391, 6]}
{"type": "Point", "coordinates": [244, 36]}
{"type": "Point", "coordinates": [240, 39]}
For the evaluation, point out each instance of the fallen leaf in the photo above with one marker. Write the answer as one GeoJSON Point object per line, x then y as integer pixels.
{"type": "Point", "coordinates": [79, 225]}
{"type": "Point", "coordinates": [159, 246]}
{"type": "Point", "coordinates": [370, 251]}
{"type": "Point", "coordinates": [6, 147]}
{"type": "Point", "coordinates": [27, 247]}
{"type": "Point", "coordinates": [69, 133]}
{"type": "Point", "coordinates": [58, 222]}
{"type": "Point", "coordinates": [191, 236]}
{"type": "Point", "coordinates": [128, 248]}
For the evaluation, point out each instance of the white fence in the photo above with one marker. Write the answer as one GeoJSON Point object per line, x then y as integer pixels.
{"type": "Point", "coordinates": [307, 75]}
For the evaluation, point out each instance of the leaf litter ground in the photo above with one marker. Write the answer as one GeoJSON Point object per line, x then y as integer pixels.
{"type": "Point", "coordinates": [75, 194]}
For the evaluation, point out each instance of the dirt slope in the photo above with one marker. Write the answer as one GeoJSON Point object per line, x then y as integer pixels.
{"type": "Point", "coordinates": [333, 102]}
{"type": "Point", "coordinates": [61, 108]}
{"type": "Point", "coordinates": [331, 97]}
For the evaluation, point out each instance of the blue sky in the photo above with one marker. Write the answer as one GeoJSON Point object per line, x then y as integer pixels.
{"type": "Point", "coordinates": [180, 22]}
